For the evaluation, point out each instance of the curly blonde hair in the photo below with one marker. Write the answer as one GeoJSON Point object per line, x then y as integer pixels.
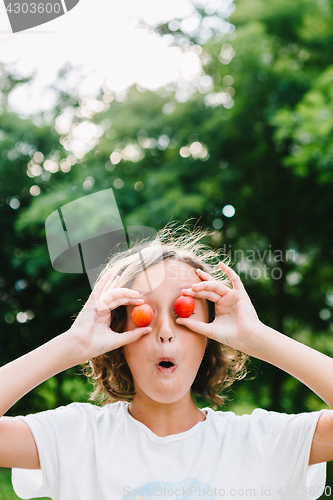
{"type": "Point", "coordinates": [221, 365]}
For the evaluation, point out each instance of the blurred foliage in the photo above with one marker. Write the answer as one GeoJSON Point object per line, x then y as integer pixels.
{"type": "Point", "coordinates": [251, 131]}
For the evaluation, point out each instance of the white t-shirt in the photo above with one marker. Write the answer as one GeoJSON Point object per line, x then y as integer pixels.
{"type": "Point", "coordinates": [89, 452]}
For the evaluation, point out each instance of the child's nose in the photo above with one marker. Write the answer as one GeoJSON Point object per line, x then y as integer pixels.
{"type": "Point", "coordinates": [165, 337]}
{"type": "Point", "coordinates": [165, 332]}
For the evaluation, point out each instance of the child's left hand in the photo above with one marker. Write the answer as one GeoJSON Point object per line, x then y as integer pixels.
{"type": "Point", "coordinates": [235, 320]}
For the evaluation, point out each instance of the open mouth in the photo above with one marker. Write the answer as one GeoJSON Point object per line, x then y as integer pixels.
{"type": "Point", "coordinates": [166, 366]}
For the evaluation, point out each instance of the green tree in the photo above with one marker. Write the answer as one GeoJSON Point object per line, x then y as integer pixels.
{"type": "Point", "coordinates": [31, 313]}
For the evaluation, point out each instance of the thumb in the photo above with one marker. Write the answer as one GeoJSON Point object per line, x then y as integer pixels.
{"type": "Point", "coordinates": [132, 335]}
{"type": "Point", "coordinates": [195, 326]}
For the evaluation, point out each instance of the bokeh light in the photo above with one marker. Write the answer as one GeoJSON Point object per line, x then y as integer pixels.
{"type": "Point", "coordinates": [228, 211]}
{"type": "Point", "coordinates": [34, 190]}
{"type": "Point", "coordinates": [118, 183]}
{"type": "Point", "coordinates": [88, 183]}
{"type": "Point", "coordinates": [218, 223]}
{"type": "Point", "coordinates": [115, 157]}
{"type": "Point", "coordinates": [14, 203]}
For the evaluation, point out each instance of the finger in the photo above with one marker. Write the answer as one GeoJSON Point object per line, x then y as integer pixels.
{"type": "Point", "coordinates": [119, 302]}
{"type": "Point", "coordinates": [204, 294]}
{"type": "Point", "coordinates": [195, 326]}
{"type": "Point", "coordinates": [208, 278]}
{"type": "Point", "coordinates": [104, 309]}
{"type": "Point", "coordinates": [122, 301]}
{"type": "Point", "coordinates": [98, 288]}
{"type": "Point", "coordinates": [207, 289]}
{"type": "Point", "coordinates": [135, 302]}
{"type": "Point", "coordinates": [235, 279]}
{"type": "Point", "coordinates": [214, 285]}
{"type": "Point", "coordinates": [111, 286]}
{"type": "Point", "coordinates": [116, 295]}
{"type": "Point", "coordinates": [114, 283]}
{"type": "Point", "coordinates": [132, 335]}
{"type": "Point", "coordinates": [204, 276]}
{"type": "Point", "coordinates": [119, 292]}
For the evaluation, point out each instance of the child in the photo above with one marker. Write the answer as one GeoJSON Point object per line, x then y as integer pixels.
{"type": "Point", "coordinates": [149, 440]}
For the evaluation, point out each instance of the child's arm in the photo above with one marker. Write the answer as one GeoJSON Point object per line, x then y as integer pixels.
{"type": "Point", "coordinates": [237, 325]}
{"type": "Point", "coordinates": [89, 336]}
{"type": "Point", "coordinates": [17, 445]}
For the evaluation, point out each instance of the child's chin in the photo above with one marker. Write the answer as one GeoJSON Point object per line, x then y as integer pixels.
{"type": "Point", "coordinates": [167, 397]}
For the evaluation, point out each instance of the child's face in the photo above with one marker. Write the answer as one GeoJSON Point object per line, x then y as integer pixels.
{"type": "Point", "coordinates": [167, 339]}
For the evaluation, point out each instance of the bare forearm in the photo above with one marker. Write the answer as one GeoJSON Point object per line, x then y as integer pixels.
{"type": "Point", "coordinates": [311, 367]}
{"type": "Point", "coordinates": [27, 372]}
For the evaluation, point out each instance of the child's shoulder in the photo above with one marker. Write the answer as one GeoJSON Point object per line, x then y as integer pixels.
{"type": "Point", "coordinates": [258, 416]}
{"type": "Point", "coordinates": [264, 421]}
{"type": "Point", "coordinates": [93, 409]}
{"type": "Point", "coordinates": [230, 415]}
{"type": "Point", "coordinates": [84, 411]}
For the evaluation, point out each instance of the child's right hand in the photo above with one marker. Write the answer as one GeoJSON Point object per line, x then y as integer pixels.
{"type": "Point", "coordinates": [91, 330]}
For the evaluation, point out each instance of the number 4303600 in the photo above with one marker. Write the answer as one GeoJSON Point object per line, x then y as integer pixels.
{"type": "Point", "coordinates": [33, 8]}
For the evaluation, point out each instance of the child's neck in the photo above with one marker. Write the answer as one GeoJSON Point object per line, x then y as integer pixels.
{"type": "Point", "coordinates": [166, 419]}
